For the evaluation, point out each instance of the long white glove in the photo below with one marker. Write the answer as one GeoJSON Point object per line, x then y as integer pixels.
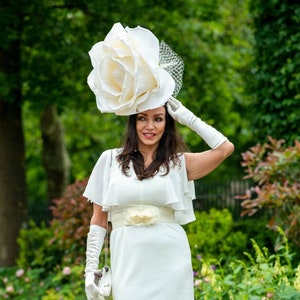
{"type": "Point", "coordinates": [180, 113]}
{"type": "Point", "coordinates": [95, 240]}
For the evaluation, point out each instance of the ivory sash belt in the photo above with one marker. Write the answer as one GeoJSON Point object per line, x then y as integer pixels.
{"type": "Point", "coordinates": [141, 215]}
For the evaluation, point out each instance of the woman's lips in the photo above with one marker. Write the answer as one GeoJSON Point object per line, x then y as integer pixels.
{"type": "Point", "coordinates": [149, 135]}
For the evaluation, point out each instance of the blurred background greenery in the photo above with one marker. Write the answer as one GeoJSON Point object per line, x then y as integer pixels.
{"type": "Point", "coordinates": [242, 74]}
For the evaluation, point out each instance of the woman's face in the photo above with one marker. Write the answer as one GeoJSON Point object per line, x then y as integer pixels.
{"type": "Point", "coordinates": [150, 126]}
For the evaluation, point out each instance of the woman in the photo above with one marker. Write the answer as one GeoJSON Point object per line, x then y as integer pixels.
{"type": "Point", "coordinates": [147, 188]}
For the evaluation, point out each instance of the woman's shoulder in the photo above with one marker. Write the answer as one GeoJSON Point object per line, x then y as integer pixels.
{"type": "Point", "coordinates": [181, 157]}
{"type": "Point", "coordinates": [107, 156]}
{"type": "Point", "coordinates": [177, 162]}
{"type": "Point", "coordinates": [111, 154]}
{"type": "Point", "coordinates": [112, 151]}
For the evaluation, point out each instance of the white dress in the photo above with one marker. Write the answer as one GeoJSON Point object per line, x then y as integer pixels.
{"type": "Point", "coordinates": [147, 262]}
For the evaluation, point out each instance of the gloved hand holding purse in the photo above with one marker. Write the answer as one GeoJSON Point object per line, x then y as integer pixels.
{"type": "Point", "coordinates": [181, 114]}
{"type": "Point", "coordinates": [95, 240]}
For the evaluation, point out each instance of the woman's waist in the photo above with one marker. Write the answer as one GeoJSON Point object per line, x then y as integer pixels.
{"type": "Point", "coordinates": [141, 215]}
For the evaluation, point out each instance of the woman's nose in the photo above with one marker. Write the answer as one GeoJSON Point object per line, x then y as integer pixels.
{"type": "Point", "coordinates": [150, 125]}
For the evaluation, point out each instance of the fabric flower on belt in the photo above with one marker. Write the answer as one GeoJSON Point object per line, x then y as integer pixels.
{"type": "Point", "coordinates": [142, 215]}
{"type": "Point", "coordinates": [132, 72]}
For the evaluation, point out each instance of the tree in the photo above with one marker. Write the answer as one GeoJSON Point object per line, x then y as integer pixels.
{"type": "Point", "coordinates": [55, 156]}
{"type": "Point", "coordinates": [277, 88]}
{"type": "Point", "coordinates": [19, 38]}
{"type": "Point", "coordinates": [13, 200]}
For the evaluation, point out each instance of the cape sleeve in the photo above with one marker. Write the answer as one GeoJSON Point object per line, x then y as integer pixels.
{"type": "Point", "coordinates": [185, 191]}
{"type": "Point", "coordinates": [99, 179]}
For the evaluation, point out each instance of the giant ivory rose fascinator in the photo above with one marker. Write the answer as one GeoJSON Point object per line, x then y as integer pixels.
{"type": "Point", "coordinates": [133, 71]}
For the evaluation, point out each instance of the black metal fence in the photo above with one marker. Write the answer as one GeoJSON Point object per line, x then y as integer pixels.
{"type": "Point", "coordinates": [39, 212]}
{"type": "Point", "coordinates": [220, 196]}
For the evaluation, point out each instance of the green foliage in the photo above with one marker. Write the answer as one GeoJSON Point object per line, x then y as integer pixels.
{"type": "Point", "coordinates": [262, 277]}
{"type": "Point", "coordinates": [216, 44]}
{"type": "Point", "coordinates": [35, 173]}
{"type": "Point", "coordinates": [65, 283]}
{"type": "Point", "coordinates": [274, 168]}
{"type": "Point", "coordinates": [277, 88]}
{"type": "Point", "coordinates": [63, 242]}
{"type": "Point", "coordinates": [212, 235]}
{"type": "Point", "coordinates": [70, 224]}
{"type": "Point", "coordinates": [68, 284]}
{"type": "Point", "coordinates": [35, 249]}
{"type": "Point", "coordinates": [255, 228]}
{"type": "Point", "coordinates": [56, 56]}
{"type": "Point", "coordinates": [52, 258]}
{"type": "Point", "coordinates": [94, 133]}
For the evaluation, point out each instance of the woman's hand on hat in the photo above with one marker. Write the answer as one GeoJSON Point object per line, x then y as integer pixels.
{"type": "Point", "coordinates": [210, 135]}
{"type": "Point", "coordinates": [179, 112]}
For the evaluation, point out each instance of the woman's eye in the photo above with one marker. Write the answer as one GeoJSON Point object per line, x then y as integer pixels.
{"type": "Point", "coordinates": [159, 119]}
{"type": "Point", "coordinates": [141, 118]}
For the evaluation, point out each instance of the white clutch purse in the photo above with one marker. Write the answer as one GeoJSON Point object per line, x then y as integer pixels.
{"type": "Point", "coordinates": [103, 280]}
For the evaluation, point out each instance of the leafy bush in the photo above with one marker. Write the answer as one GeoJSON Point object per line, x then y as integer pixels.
{"type": "Point", "coordinates": [66, 283]}
{"type": "Point", "coordinates": [255, 229]}
{"type": "Point", "coordinates": [276, 174]}
{"type": "Point", "coordinates": [51, 258]}
{"type": "Point", "coordinates": [35, 249]}
{"type": "Point", "coordinates": [277, 63]}
{"type": "Point", "coordinates": [63, 242]}
{"type": "Point", "coordinates": [212, 235]}
{"type": "Point", "coordinates": [260, 278]}
{"type": "Point", "coordinates": [71, 219]}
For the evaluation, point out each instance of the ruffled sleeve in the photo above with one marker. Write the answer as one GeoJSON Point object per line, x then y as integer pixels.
{"type": "Point", "coordinates": [182, 194]}
{"type": "Point", "coordinates": [96, 188]}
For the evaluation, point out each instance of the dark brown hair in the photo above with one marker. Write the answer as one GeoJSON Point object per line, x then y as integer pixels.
{"type": "Point", "coordinates": [170, 147]}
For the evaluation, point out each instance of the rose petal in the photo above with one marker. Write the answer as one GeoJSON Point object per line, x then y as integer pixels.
{"type": "Point", "coordinates": [146, 43]}
{"type": "Point", "coordinates": [116, 31]}
{"type": "Point", "coordinates": [159, 96]}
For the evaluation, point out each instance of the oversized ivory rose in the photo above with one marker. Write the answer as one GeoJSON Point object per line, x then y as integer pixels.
{"type": "Point", "coordinates": [126, 76]}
